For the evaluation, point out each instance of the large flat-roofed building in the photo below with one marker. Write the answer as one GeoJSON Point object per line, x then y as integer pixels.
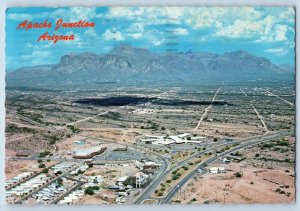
{"type": "Point", "coordinates": [174, 139]}
{"type": "Point", "coordinates": [121, 148]}
{"type": "Point", "coordinates": [24, 153]}
{"type": "Point", "coordinates": [88, 153]}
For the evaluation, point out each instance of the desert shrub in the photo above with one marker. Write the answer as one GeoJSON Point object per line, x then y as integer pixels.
{"type": "Point", "coordinates": [89, 191]}
{"type": "Point", "coordinates": [45, 170]}
{"type": "Point", "coordinates": [175, 177]}
{"type": "Point", "coordinates": [160, 194]}
{"type": "Point", "coordinates": [42, 165]}
{"type": "Point", "coordinates": [238, 174]}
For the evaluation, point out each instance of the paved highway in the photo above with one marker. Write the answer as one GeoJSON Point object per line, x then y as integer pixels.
{"type": "Point", "coordinates": [207, 109]}
{"type": "Point", "coordinates": [151, 188]}
{"type": "Point", "coordinates": [254, 141]}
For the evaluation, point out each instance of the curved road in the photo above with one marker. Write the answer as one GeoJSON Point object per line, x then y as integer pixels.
{"type": "Point", "coordinates": [184, 180]}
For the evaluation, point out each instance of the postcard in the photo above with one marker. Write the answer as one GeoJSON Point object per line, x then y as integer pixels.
{"type": "Point", "coordinates": [150, 105]}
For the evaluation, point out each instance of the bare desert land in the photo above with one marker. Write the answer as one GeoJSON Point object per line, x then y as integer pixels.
{"type": "Point", "coordinates": [155, 145]}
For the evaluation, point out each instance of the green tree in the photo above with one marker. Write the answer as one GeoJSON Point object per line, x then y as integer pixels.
{"type": "Point", "coordinates": [42, 165]}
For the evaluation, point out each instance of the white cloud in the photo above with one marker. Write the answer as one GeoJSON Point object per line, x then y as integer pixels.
{"type": "Point", "coordinates": [276, 33]}
{"type": "Point", "coordinates": [265, 30]}
{"type": "Point", "coordinates": [73, 14]}
{"type": "Point", "coordinates": [68, 14]}
{"type": "Point", "coordinates": [174, 12]}
{"type": "Point", "coordinates": [136, 35]}
{"type": "Point", "coordinates": [277, 51]}
{"type": "Point", "coordinates": [82, 13]}
{"type": "Point", "coordinates": [232, 22]}
{"type": "Point", "coordinates": [180, 31]}
{"type": "Point", "coordinates": [157, 42]}
{"type": "Point", "coordinates": [39, 45]}
{"type": "Point", "coordinates": [112, 35]}
{"type": "Point", "coordinates": [197, 16]}
{"type": "Point", "coordinates": [91, 32]}
{"type": "Point", "coordinates": [281, 31]}
{"type": "Point", "coordinates": [136, 27]}
{"type": "Point", "coordinates": [26, 16]}
{"type": "Point", "coordinates": [78, 42]}
{"type": "Point", "coordinates": [150, 15]}
{"type": "Point", "coordinates": [240, 29]}
{"type": "Point", "coordinates": [35, 58]}
{"type": "Point", "coordinates": [288, 15]}
{"type": "Point", "coordinates": [135, 30]}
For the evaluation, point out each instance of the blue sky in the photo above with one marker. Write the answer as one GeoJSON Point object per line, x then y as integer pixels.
{"type": "Point", "coordinates": [263, 31]}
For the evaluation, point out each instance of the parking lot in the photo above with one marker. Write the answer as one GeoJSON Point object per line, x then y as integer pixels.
{"type": "Point", "coordinates": [120, 155]}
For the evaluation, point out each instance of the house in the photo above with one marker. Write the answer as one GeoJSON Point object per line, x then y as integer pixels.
{"type": "Point", "coordinates": [24, 154]}
{"type": "Point", "coordinates": [217, 170]}
{"type": "Point", "coordinates": [225, 160]}
{"type": "Point", "coordinates": [221, 170]}
{"type": "Point", "coordinates": [114, 187]}
{"type": "Point", "coordinates": [213, 170]}
{"type": "Point", "coordinates": [141, 179]}
{"type": "Point", "coordinates": [122, 179]}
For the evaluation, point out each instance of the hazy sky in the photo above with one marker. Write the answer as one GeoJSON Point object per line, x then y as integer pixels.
{"type": "Point", "coordinates": [263, 31]}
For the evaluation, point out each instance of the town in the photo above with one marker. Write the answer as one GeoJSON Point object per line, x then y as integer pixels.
{"type": "Point", "coordinates": [223, 144]}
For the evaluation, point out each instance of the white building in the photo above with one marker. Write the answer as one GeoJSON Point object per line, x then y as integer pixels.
{"type": "Point", "coordinates": [174, 139]}
{"type": "Point", "coordinates": [217, 170]}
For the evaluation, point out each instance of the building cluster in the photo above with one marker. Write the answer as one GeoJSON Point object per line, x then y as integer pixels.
{"type": "Point", "coordinates": [93, 180]}
{"type": "Point", "coordinates": [80, 169]}
{"type": "Point", "coordinates": [174, 139]}
{"type": "Point", "coordinates": [26, 187]}
{"type": "Point", "coordinates": [125, 184]}
{"type": "Point", "coordinates": [65, 183]}
{"type": "Point", "coordinates": [146, 166]}
{"type": "Point", "coordinates": [63, 167]}
{"type": "Point", "coordinates": [27, 182]}
{"type": "Point", "coordinates": [73, 197]}
{"type": "Point", "coordinates": [17, 179]}
{"type": "Point", "coordinates": [52, 191]}
{"type": "Point", "coordinates": [144, 111]}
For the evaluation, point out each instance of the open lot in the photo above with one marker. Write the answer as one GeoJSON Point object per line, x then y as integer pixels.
{"type": "Point", "coordinates": [265, 176]}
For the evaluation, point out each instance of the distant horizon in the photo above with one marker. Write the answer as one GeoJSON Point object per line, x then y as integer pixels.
{"type": "Point", "coordinates": [262, 31]}
{"type": "Point", "coordinates": [189, 51]}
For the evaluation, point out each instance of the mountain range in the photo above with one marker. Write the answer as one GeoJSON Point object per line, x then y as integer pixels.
{"type": "Point", "coordinates": [128, 64]}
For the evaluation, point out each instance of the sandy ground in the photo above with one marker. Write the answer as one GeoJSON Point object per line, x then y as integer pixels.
{"type": "Point", "coordinates": [87, 199]}
{"type": "Point", "coordinates": [113, 134]}
{"type": "Point", "coordinates": [226, 188]}
{"type": "Point", "coordinates": [111, 173]}
{"type": "Point", "coordinates": [13, 168]}
{"type": "Point", "coordinates": [229, 129]}
{"type": "Point", "coordinates": [282, 154]}
{"type": "Point", "coordinates": [150, 201]}
{"type": "Point", "coordinates": [105, 197]}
